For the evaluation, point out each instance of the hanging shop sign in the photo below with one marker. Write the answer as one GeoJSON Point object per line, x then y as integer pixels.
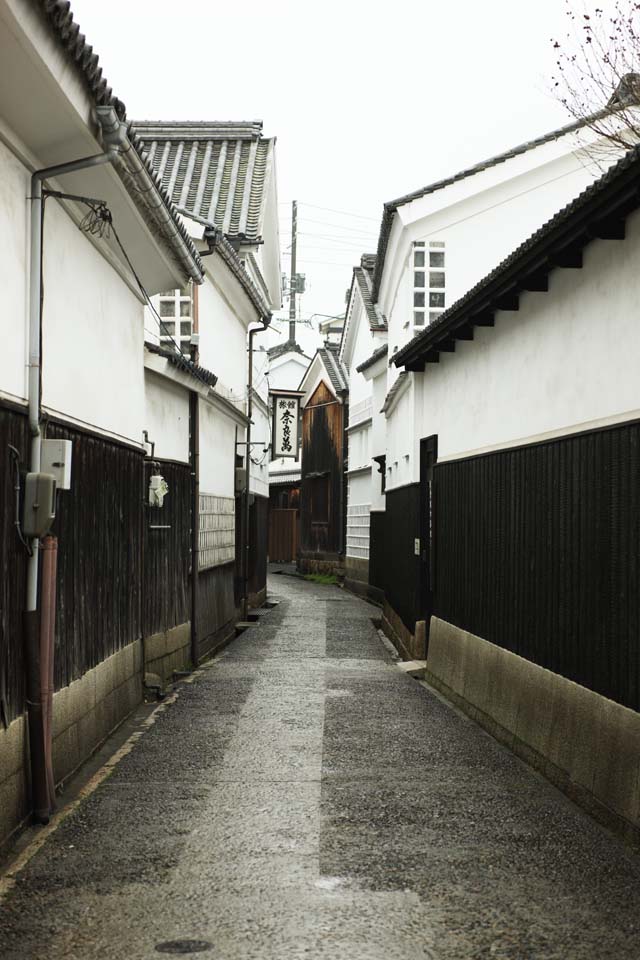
{"type": "Point", "coordinates": [286, 420]}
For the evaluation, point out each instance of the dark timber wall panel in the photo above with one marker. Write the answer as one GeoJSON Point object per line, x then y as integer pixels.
{"type": "Point", "coordinates": [377, 550]}
{"type": "Point", "coordinates": [537, 552]}
{"type": "Point", "coordinates": [13, 566]}
{"type": "Point", "coordinates": [321, 532]}
{"type": "Point", "coordinates": [401, 566]}
{"type": "Point", "coordinates": [216, 606]}
{"type": "Point", "coordinates": [258, 543]}
{"type": "Point", "coordinates": [167, 552]}
{"type": "Point", "coordinates": [99, 526]}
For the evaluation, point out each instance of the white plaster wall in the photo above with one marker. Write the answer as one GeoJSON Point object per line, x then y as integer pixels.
{"type": "Point", "coordinates": [288, 374]}
{"type": "Point", "coordinates": [360, 447]}
{"type": "Point", "coordinates": [223, 342]}
{"type": "Point", "coordinates": [217, 451]}
{"type": "Point", "coordinates": [401, 426]}
{"type": "Point", "coordinates": [14, 239]}
{"type": "Point", "coordinates": [93, 334]}
{"type": "Point", "coordinates": [167, 417]}
{"type": "Point", "coordinates": [259, 471]}
{"type": "Point", "coordinates": [567, 360]}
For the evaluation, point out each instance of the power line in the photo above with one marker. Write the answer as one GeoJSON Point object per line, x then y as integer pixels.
{"type": "Point", "coordinates": [326, 223]}
{"type": "Point", "coordinates": [345, 213]}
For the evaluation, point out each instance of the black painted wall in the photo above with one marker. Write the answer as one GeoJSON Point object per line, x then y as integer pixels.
{"type": "Point", "coordinates": [400, 566]}
{"type": "Point", "coordinates": [537, 551]}
{"type": "Point", "coordinates": [216, 607]}
{"type": "Point", "coordinates": [377, 550]}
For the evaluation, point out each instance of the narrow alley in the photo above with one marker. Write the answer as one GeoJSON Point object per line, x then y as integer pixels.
{"type": "Point", "coordinates": [303, 797]}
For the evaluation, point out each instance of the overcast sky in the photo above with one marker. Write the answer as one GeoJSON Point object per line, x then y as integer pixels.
{"type": "Point", "coordinates": [368, 100]}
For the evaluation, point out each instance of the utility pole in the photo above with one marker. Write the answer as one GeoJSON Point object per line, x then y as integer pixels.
{"type": "Point", "coordinates": [293, 283]}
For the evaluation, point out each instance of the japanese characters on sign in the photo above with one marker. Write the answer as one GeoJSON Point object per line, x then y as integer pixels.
{"type": "Point", "coordinates": [285, 427]}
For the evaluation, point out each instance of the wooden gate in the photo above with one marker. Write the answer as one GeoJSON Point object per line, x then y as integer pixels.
{"type": "Point", "coordinates": [283, 535]}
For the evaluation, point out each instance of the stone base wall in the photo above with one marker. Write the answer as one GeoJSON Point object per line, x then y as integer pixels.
{"type": "Point", "coordinates": [168, 651]}
{"type": "Point", "coordinates": [311, 563]}
{"type": "Point", "coordinates": [409, 645]}
{"type": "Point", "coordinates": [84, 714]}
{"type": "Point", "coordinates": [587, 745]}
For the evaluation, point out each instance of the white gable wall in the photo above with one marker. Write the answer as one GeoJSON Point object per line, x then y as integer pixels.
{"type": "Point", "coordinates": [566, 361]}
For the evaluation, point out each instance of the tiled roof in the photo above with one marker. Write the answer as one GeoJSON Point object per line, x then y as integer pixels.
{"type": "Point", "coordinates": [335, 368]}
{"type": "Point", "coordinates": [218, 242]}
{"type": "Point", "coordinates": [391, 207]}
{"type": "Point", "coordinates": [363, 277]}
{"type": "Point", "coordinates": [60, 17]}
{"type": "Point", "coordinates": [597, 212]}
{"type": "Point", "coordinates": [375, 356]}
{"type": "Point", "coordinates": [218, 171]}
{"type": "Point", "coordinates": [185, 364]}
{"type": "Point", "coordinates": [81, 55]}
{"type": "Point", "coordinates": [288, 346]}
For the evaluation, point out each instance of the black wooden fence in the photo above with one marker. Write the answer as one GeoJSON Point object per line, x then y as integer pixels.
{"type": "Point", "coordinates": [13, 566]}
{"type": "Point", "coordinates": [537, 552]}
{"type": "Point", "coordinates": [99, 529]}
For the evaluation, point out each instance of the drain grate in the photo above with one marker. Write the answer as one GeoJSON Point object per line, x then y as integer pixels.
{"type": "Point", "coordinates": [183, 946]}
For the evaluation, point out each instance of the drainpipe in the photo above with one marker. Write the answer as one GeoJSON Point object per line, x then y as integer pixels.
{"type": "Point", "coordinates": [114, 133]}
{"type": "Point", "coordinates": [194, 459]}
{"type": "Point", "coordinates": [247, 506]}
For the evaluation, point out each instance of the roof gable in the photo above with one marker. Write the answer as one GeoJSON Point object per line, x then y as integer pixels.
{"type": "Point", "coordinates": [599, 212]}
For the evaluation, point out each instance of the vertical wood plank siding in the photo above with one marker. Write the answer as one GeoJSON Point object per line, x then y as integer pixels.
{"type": "Point", "coordinates": [13, 566]}
{"type": "Point", "coordinates": [258, 544]}
{"type": "Point", "coordinates": [167, 553]}
{"type": "Point", "coordinates": [216, 606]}
{"type": "Point", "coordinates": [537, 552]}
{"type": "Point", "coordinates": [99, 526]}
{"type": "Point", "coordinates": [401, 566]}
{"type": "Point", "coordinates": [322, 455]}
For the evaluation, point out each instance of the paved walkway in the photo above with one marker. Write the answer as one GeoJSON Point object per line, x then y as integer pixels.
{"type": "Point", "coordinates": [305, 799]}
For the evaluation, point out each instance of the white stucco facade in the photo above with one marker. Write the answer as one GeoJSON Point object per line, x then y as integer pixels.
{"type": "Point", "coordinates": [547, 369]}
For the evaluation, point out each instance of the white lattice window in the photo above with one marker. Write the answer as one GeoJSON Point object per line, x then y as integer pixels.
{"type": "Point", "coordinates": [358, 530]}
{"type": "Point", "coordinates": [429, 281]}
{"type": "Point", "coordinates": [217, 531]}
{"type": "Point", "coordinates": [176, 310]}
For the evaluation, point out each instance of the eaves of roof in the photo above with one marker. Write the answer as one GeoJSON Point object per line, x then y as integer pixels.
{"type": "Point", "coordinates": [218, 242]}
{"type": "Point", "coordinates": [598, 212]}
{"type": "Point", "coordinates": [201, 374]}
{"type": "Point", "coordinates": [130, 168]}
{"type": "Point", "coordinates": [396, 390]}
{"type": "Point", "coordinates": [391, 207]}
{"type": "Point", "coordinates": [375, 356]}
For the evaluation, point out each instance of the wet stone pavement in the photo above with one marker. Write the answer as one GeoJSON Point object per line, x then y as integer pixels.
{"type": "Point", "coordinates": [303, 798]}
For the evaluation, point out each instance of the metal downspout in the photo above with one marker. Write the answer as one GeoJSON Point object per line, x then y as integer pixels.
{"type": "Point", "coordinates": [247, 479]}
{"type": "Point", "coordinates": [34, 689]}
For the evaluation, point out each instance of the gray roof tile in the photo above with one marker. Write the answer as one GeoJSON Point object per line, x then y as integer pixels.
{"type": "Point", "coordinates": [217, 171]}
{"type": "Point", "coordinates": [335, 368]}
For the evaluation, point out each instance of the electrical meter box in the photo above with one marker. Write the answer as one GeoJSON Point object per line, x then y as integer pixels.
{"type": "Point", "coordinates": [55, 458]}
{"type": "Point", "coordinates": [39, 504]}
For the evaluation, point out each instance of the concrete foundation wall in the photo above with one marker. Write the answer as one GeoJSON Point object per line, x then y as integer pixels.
{"type": "Point", "coordinates": [167, 651]}
{"type": "Point", "coordinates": [587, 745]}
{"type": "Point", "coordinates": [84, 714]}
